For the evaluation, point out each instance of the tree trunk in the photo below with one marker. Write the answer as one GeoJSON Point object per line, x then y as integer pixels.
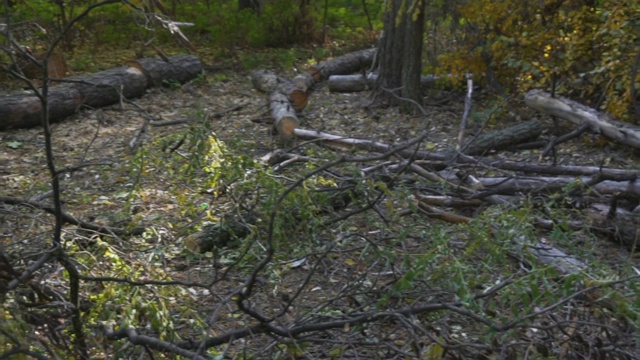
{"type": "Point", "coordinates": [21, 110]}
{"type": "Point", "coordinates": [400, 53]}
{"type": "Point", "coordinates": [249, 4]}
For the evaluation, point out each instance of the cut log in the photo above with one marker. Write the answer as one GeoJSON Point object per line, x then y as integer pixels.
{"type": "Point", "coordinates": [268, 82]}
{"type": "Point", "coordinates": [180, 68]}
{"type": "Point", "coordinates": [20, 110]}
{"type": "Point", "coordinates": [578, 114]}
{"type": "Point", "coordinates": [303, 81]}
{"type": "Point", "coordinates": [343, 65]}
{"type": "Point", "coordinates": [358, 82]}
{"type": "Point", "coordinates": [284, 116]}
{"type": "Point", "coordinates": [500, 139]}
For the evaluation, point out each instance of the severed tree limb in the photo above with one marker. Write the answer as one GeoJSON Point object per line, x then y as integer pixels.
{"type": "Point", "coordinates": [579, 114]}
{"type": "Point", "coordinates": [284, 115]}
{"type": "Point", "coordinates": [343, 65]}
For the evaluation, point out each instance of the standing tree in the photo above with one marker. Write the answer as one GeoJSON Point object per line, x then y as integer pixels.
{"type": "Point", "coordinates": [400, 53]}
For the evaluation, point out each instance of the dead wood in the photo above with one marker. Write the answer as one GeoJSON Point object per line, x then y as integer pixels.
{"type": "Point", "coordinates": [284, 115]}
{"type": "Point", "coordinates": [343, 65]}
{"type": "Point", "coordinates": [268, 82]}
{"type": "Point", "coordinates": [360, 82]}
{"type": "Point", "coordinates": [20, 110]}
{"type": "Point", "coordinates": [447, 159]}
{"type": "Point", "coordinates": [578, 114]}
{"type": "Point", "coordinates": [304, 81]}
{"type": "Point", "coordinates": [500, 139]}
{"type": "Point", "coordinates": [509, 186]}
{"type": "Point", "coordinates": [179, 68]}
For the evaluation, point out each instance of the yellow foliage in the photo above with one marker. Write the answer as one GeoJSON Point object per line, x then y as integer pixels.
{"type": "Point", "coordinates": [582, 51]}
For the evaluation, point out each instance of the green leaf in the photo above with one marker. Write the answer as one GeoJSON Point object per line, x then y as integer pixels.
{"type": "Point", "coordinates": [14, 144]}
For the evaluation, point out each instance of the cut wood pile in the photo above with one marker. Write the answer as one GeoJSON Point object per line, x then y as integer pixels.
{"type": "Point", "coordinates": [24, 109]}
{"type": "Point", "coordinates": [608, 198]}
{"type": "Point", "coordinates": [288, 96]}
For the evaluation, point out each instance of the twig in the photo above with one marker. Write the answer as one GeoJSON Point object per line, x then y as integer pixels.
{"type": "Point", "coordinates": [467, 111]}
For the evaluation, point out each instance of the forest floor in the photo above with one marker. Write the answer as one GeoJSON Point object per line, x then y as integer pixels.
{"type": "Point", "coordinates": [103, 194]}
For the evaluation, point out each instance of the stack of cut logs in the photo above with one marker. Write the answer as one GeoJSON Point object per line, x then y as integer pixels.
{"type": "Point", "coordinates": [286, 97]}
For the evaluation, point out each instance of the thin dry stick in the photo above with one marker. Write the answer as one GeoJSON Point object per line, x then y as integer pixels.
{"type": "Point", "coordinates": [467, 110]}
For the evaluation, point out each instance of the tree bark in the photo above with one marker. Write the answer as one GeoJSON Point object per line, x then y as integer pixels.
{"type": "Point", "coordinates": [400, 53]}
{"type": "Point", "coordinates": [268, 82]}
{"type": "Point", "coordinates": [359, 82]}
{"type": "Point", "coordinates": [284, 116]}
{"type": "Point", "coordinates": [343, 65]}
{"type": "Point", "coordinates": [21, 110]}
{"type": "Point", "coordinates": [578, 114]}
{"type": "Point", "coordinates": [500, 139]}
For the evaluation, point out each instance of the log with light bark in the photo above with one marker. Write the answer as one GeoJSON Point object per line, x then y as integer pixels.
{"type": "Point", "coordinates": [360, 82]}
{"type": "Point", "coordinates": [578, 114]}
{"type": "Point", "coordinates": [304, 81]}
{"type": "Point", "coordinates": [23, 109]}
{"type": "Point", "coordinates": [343, 65]}
{"type": "Point", "coordinates": [268, 82]}
{"type": "Point", "coordinates": [284, 116]}
{"type": "Point", "coordinates": [500, 139]}
{"type": "Point", "coordinates": [514, 185]}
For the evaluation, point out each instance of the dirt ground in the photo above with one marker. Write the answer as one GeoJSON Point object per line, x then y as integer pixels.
{"type": "Point", "coordinates": [98, 193]}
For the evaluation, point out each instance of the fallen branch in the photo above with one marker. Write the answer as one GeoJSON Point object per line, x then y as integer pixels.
{"type": "Point", "coordinates": [579, 114]}
{"type": "Point", "coordinates": [447, 159]}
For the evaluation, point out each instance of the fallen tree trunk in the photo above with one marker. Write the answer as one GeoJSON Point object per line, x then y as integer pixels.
{"type": "Point", "coordinates": [358, 82]}
{"type": "Point", "coordinates": [578, 114]}
{"type": "Point", "coordinates": [500, 139]}
{"type": "Point", "coordinates": [343, 65]}
{"type": "Point", "coordinates": [268, 82]}
{"type": "Point", "coordinates": [104, 88]}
